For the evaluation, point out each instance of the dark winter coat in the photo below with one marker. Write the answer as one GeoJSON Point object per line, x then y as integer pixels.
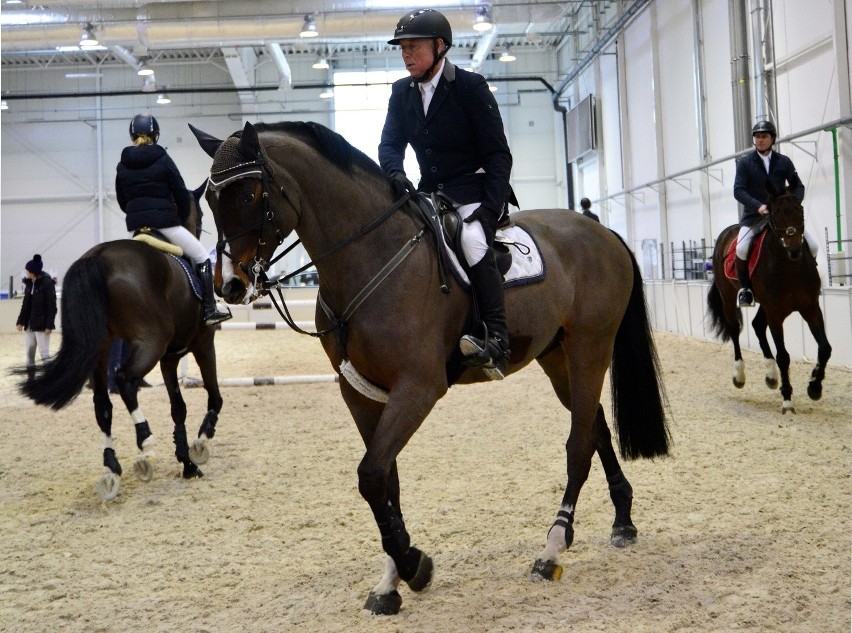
{"type": "Point", "coordinates": [461, 134]}
{"type": "Point", "coordinates": [750, 182]}
{"type": "Point", "coordinates": [150, 189]}
{"type": "Point", "coordinates": [591, 215]}
{"type": "Point", "coordinates": [38, 311]}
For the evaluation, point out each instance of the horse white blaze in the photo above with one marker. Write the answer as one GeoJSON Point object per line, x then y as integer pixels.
{"type": "Point", "coordinates": [228, 275]}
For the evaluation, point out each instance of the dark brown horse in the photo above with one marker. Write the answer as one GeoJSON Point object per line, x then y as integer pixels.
{"type": "Point", "coordinates": [784, 280]}
{"type": "Point", "coordinates": [130, 290]}
{"type": "Point", "coordinates": [393, 333]}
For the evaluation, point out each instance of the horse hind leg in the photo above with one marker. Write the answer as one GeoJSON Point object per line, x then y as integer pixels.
{"type": "Point", "coordinates": [620, 491]}
{"type": "Point", "coordinates": [205, 356]}
{"type": "Point", "coordinates": [110, 481]}
{"type": "Point", "coordinates": [759, 324]}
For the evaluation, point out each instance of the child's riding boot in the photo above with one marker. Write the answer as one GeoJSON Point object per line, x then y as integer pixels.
{"type": "Point", "coordinates": [209, 312]}
{"type": "Point", "coordinates": [492, 351]}
{"type": "Point", "coordinates": [745, 297]}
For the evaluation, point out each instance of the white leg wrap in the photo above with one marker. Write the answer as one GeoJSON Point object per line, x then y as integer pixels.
{"type": "Point", "coordinates": [390, 580]}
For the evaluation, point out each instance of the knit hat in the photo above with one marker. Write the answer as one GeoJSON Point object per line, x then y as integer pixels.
{"type": "Point", "coordinates": [35, 264]}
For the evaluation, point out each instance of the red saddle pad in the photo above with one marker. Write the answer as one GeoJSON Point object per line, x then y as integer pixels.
{"type": "Point", "coordinates": [730, 269]}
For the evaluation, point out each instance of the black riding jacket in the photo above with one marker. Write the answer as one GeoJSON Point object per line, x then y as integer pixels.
{"type": "Point", "coordinates": [150, 189]}
{"type": "Point", "coordinates": [38, 310]}
{"type": "Point", "coordinates": [461, 135]}
{"type": "Point", "coordinates": [750, 182]}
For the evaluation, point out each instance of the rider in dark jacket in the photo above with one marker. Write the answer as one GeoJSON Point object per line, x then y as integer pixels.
{"type": "Point", "coordinates": [151, 191]}
{"type": "Point", "coordinates": [451, 120]}
{"type": "Point", "coordinates": [754, 171]}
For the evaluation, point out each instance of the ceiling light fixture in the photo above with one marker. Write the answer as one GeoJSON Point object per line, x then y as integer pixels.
{"type": "Point", "coordinates": [163, 99]}
{"type": "Point", "coordinates": [482, 20]}
{"type": "Point", "coordinates": [327, 93]}
{"type": "Point", "coordinates": [144, 70]}
{"type": "Point", "coordinates": [506, 56]}
{"type": "Point", "coordinates": [4, 105]}
{"type": "Point", "coordinates": [321, 63]}
{"type": "Point", "coordinates": [309, 28]}
{"type": "Point", "coordinates": [88, 38]}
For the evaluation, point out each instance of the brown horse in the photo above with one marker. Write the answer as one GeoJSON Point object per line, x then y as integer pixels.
{"type": "Point", "coordinates": [784, 280]}
{"type": "Point", "coordinates": [392, 332]}
{"type": "Point", "coordinates": [132, 291]}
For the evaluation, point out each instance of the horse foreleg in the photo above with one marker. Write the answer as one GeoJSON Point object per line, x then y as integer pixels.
{"type": "Point", "coordinates": [168, 368]}
{"type": "Point", "coordinates": [620, 491]}
{"type": "Point", "coordinates": [110, 480]}
{"type": "Point", "coordinates": [782, 358]}
{"type": "Point", "coordinates": [205, 356]}
{"type": "Point", "coordinates": [759, 324]}
{"type": "Point", "coordinates": [816, 324]}
{"type": "Point", "coordinates": [385, 431]}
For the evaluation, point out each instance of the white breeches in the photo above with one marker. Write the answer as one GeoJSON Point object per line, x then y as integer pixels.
{"type": "Point", "coordinates": [473, 239]}
{"type": "Point", "coordinates": [746, 234]}
{"type": "Point", "coordinates": [33, 340]}
{"type": "Point", "coordinates": [192, 248]}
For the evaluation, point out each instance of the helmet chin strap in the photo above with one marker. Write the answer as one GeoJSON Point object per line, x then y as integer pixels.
{"type": "Point", "coordinates": [438, 57]}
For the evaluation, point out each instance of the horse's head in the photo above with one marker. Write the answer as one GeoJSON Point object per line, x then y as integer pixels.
{"type": "Point", "coordinates": [251, 212]}
{"type": "Point", "coordinates": [787, 219]}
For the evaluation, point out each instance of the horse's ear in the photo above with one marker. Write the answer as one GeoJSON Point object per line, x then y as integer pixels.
{"type": "Point", "coordinates": [197, 193]}
{"type": "Point", "coordinates": [249, 145]}
{"type": "Point", "coordinates": [208, 143]}
{"type": "Point", "coordinates": [772, 190]}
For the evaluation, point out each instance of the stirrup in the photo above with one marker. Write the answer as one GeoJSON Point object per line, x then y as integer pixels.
{"type": "Point", "coordinates": [745, 298]}
{"type": "Point", "coordinates": [217, 317]}
{"type": "Point", "coordinates": [477, 354]}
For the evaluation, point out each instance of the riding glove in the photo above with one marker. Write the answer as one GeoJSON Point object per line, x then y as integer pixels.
{"type": "Point", "coordinates": [487, 218]}
{"type": "Point", "coordinates": [401, 185]}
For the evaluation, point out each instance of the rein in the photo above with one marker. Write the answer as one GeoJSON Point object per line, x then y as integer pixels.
{"type": "Point", "coordinates": [259, 267]}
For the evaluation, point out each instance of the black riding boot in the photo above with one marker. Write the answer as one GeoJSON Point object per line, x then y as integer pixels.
{"type": "Point", "coordinates": [209, 313]}
{"type": "Point", "coordinates": [745, 297]}
{"type": "Point", "coordinates": [491, 352]}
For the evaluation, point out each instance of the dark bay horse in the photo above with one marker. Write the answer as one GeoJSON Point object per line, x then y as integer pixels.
{"type": "Point", "coordinates": [130, 290]}
{"type": "Point", "coordinates": [393, 333]}
{"type": "Point", "coordinates": [784, 280]}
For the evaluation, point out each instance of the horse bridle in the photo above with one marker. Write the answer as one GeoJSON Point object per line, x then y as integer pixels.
{"type": "Point", "coordinates": [258, 266]}
{"type": "Point", "coordinates": [786, 233]}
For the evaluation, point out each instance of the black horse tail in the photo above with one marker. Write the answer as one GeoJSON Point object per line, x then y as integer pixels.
{"type": "Point", "coordinates": [716, 315]}
{"type": "Point", "coordinates": [638, 393]}
{"type": "Point", "coordinates": [84, 326]}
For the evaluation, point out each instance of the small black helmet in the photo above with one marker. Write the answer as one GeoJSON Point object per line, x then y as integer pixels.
{"type": "Point", "coordinates": [765, 126]}
{"type": "Point", "coordinates": [144, 125]}
{"type": "Point", "coordinates": [425, 23]}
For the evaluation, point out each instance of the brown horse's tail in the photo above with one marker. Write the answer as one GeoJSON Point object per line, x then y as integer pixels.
{"type": "Point", "coordinates": [84, 326]}
{"type": "Point", "coordinates": [638, 394]}
{"type": "Point", "coordinates": [716, 314]}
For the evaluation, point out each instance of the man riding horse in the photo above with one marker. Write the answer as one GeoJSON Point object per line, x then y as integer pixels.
{"type": "Point", "coordinates": [451, 120]}
{"type": "Point", "coordinates": [754, 172]}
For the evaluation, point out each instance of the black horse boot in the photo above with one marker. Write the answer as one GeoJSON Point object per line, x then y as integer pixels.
{"type": "Point", "coordinates": [745, 297]}
{"type": "Point", "coordinates": [209, 312]}
{"type": "Point", "coordinates": [492, 351]}
{"type": "Point", "coordinates": [31, 372]}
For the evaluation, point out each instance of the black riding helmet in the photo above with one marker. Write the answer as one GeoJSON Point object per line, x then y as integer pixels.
{"type": "Point", "coordinates": [425, 24]}
{"type": "Point", "coordinates": [144, 125]}
{"type": "Point", "coordinates": [765, 126]}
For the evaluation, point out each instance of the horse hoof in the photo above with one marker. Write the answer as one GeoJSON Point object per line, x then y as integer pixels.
{"type": "Point", "coordinates": [787, 407]}
{"type": "Point", "coordinates": [199, 453]}
{"type": "Point", "coordinates": [191, 471]}
{"type": "Point", "coordinates": [739, 384]}
{"type": "Point", "coordinates": [143, 469]}
{"type": "Point", "coordinates": [423, 576]}
{"type": "Point", "coordinates": [546, 570]}
{"type": "Point", "coordinates": [814, 390]}
{"type": "Point", "coordinates": [108, 486]}
{"type": "Point", "coordinates": [772, 383]}
{"type": "Point", "coordinates": [384, 604]}
{"type": "Point", "coordinates": [623, 535]}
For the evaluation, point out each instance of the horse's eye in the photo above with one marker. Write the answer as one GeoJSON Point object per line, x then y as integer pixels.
{"type": "Point", "coordinates": [247, 197]}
